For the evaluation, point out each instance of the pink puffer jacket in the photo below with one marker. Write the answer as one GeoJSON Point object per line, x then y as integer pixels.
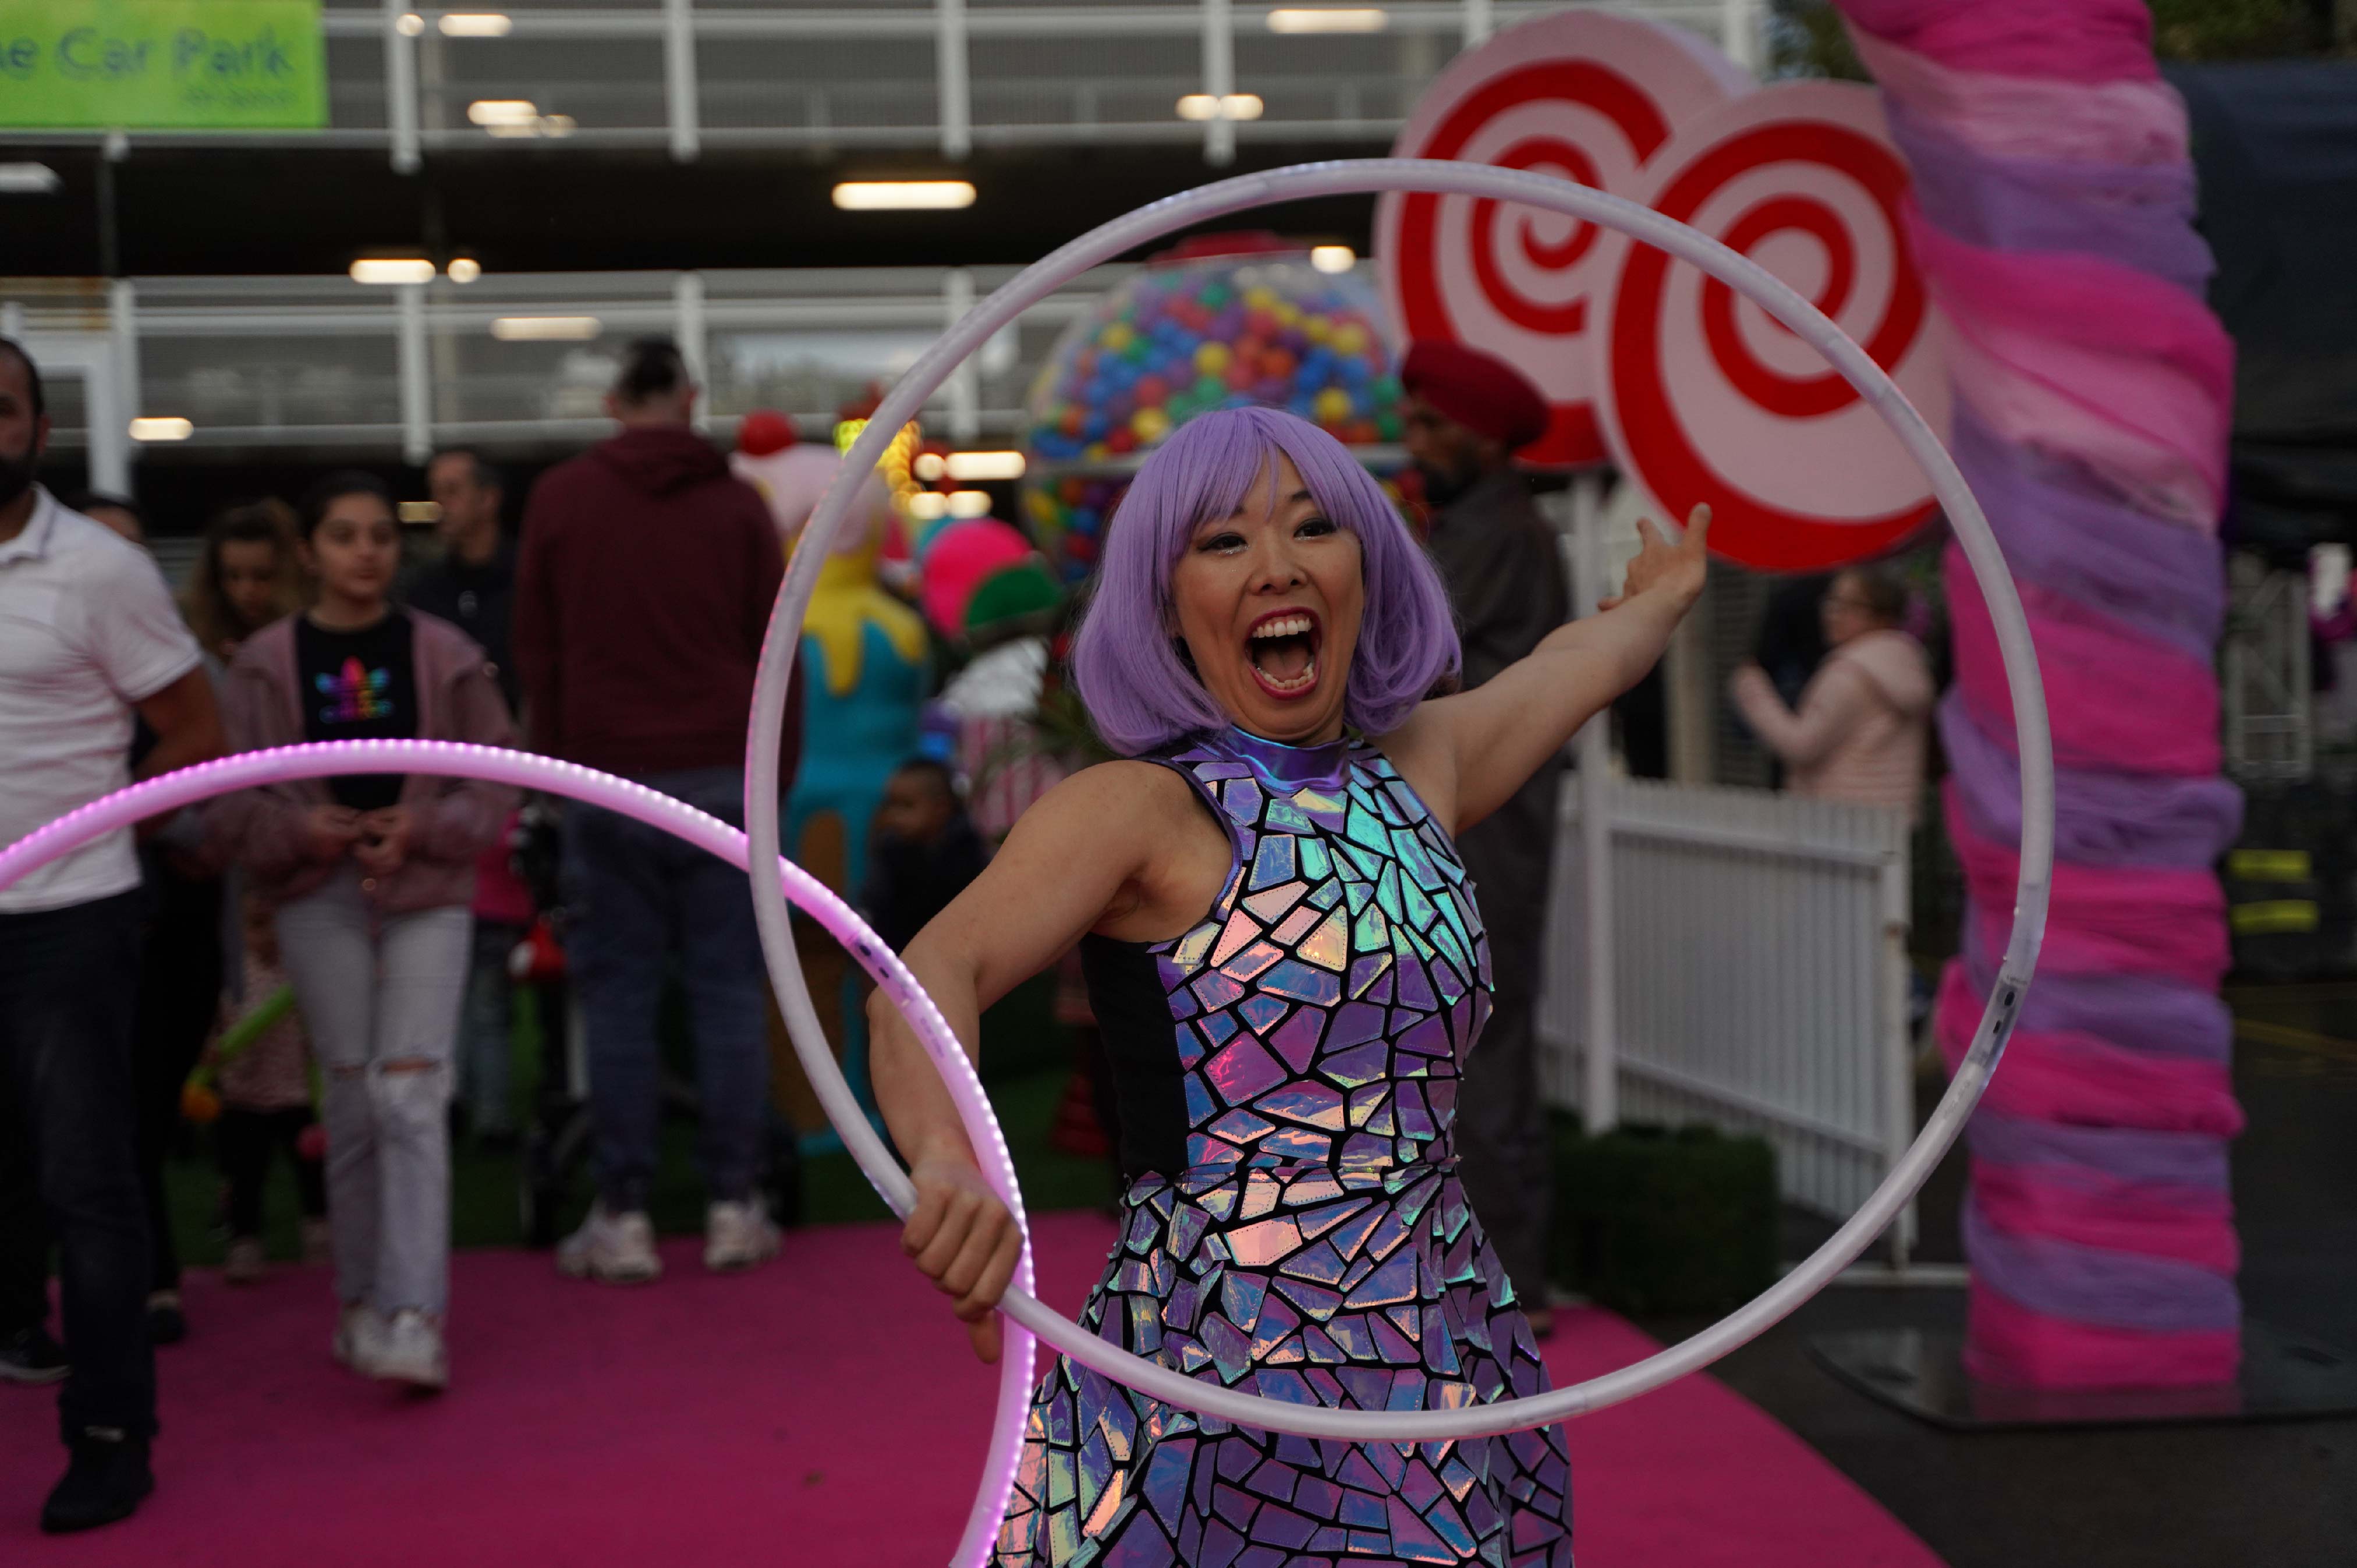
{"type": "Point", "coordinates": [1864, 722]}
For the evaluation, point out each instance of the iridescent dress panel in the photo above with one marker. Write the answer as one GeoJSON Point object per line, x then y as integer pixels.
{"type": "Point", "coordinates": [1293, 1226]}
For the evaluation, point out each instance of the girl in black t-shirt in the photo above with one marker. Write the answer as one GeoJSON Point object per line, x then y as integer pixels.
{"type": "Point", "coordinates": [372, 875]}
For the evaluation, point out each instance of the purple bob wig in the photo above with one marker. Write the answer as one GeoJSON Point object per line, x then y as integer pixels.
{"type": "Point", "coordinates": [1138, 692]}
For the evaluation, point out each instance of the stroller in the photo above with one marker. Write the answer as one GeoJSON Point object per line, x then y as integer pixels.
{"type": "Point", "coordinates": [556, 1142]}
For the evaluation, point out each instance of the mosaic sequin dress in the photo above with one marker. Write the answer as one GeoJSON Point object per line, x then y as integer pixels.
{"type": "Point", "coordinates": [1294, 1227]}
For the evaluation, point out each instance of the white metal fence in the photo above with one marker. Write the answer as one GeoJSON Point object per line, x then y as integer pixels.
{"type": "Point", "coordinates": [1758, 950]}
{"type": "Point", "coordinates": [941, 75]}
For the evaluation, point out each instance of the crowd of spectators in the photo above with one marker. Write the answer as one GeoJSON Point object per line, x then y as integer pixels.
{"type": "Point", "coordinates": [320, 967]}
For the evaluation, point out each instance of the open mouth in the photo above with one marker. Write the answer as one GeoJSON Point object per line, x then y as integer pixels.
{"type": "Point", "coordinates": [1282, 649]}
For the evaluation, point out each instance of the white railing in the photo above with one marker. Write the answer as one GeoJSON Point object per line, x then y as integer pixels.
{"type": "Point", "coordinates": [1758, 946]}
{"type": "Point", "coordinates": [948, 75]}
{"type": "Point", "coordinates": [324, 363]}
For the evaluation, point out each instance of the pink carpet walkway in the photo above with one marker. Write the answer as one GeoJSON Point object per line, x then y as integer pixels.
{"type": "Point", "coordinates": [823, 1411]}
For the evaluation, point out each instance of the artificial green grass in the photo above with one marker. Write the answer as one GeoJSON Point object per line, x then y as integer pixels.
{"type": "Point", "coordinates": [485, 1211]}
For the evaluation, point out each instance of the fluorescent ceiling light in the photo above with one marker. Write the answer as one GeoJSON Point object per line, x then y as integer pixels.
{"type": "Point", "coordinates": [546, 329]}
{"type": "Point", "coordinates": [903, 195]}
{"type": "Point", "coordinates": [1333, 258]}
{"type": "Point", "coordinates": [465, 269]}
{"type": "Point", "coordinates": [409, 24]}
{"type": "Point", "coordinates": [969, 503]}
{"type": "Point", "coordinates": [28, 179]}
{"type": "Point", "coordinates": [1234, 106]}
{"type": "Point", "coordinates": [1324, 19]}
{"type": "Point", "coordinates": [929, 506]}
{"type": "Point", "coordinates": [161, 430]}
{"type": "Point", "coordinates": [972, 467]}
{"type": "Point", "coordinates": [476, 25]}
{"type": "Point", "coordinates": [928, 466]}
{"type": "Point", "coordinates": [503, 112]}
{"type": "Point", "coordinates": [392, 269]}
{"type": "Point", "coordinates": [421, 511]}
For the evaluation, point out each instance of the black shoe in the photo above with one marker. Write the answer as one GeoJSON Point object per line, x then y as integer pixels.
{"type": "Point", "coordinates": [166, 1324]}
{"type": "Point", "coordinates": [32, 1356]}
{"type": "Point", "coordinates": [104, 1482]}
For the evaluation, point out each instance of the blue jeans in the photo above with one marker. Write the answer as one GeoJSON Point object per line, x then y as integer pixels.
{"type": "Point", "coordinates": [69, 1124]}
{"type": "Point", "coordinates": [639, 900]}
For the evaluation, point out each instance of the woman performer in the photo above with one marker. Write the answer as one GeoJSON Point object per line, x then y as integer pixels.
{"type": "Point", "coordinates": [1289, 966]}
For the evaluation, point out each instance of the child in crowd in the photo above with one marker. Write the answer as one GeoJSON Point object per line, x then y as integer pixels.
{"type": "Point", "coordinates": [923, 852]}
{"type": "Point", "coordinates": [266, 1095]}
{"type": "Point", "coordinates": [370, 875]}
{"type": "Point", "coordinates": [246, 577]}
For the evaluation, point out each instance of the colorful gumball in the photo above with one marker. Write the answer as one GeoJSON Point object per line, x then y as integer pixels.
{"type": "Point", "coordinates": [1186, 334]}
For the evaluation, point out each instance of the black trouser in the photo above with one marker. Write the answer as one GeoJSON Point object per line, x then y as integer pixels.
{"type": "Point", "coordinates": [69, 980]}
{"type": "Point", "coordinates": [179, 999]}
{"type": "Point", "coordinates": [245, 1139]}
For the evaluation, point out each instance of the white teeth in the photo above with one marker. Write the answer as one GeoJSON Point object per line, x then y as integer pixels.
{"type": "Point", "coordinates": [1285, 626]}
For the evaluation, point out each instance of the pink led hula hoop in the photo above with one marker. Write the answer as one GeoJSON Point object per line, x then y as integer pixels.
{"type": "Point", "coordinates": [772, 895]}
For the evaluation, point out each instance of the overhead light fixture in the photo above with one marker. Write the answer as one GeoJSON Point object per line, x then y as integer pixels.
{"type": "Point", "coordinates": [392, 269]}
{"type": "Point", "coordinates": [409, 24]}
{"type": "Point", "coordinates": [971, 468]}
{"type": "Point", "coordinates": [491, 112]}
{"type": "Point", "coordinates": [464, 269]}
{"type": "Point", "coordinates": [903, 195]}
{"type": "Point", "coordinates": [161, 430]}
{"type": "Point", "coordinates": [28, 179]}
{"type": "Point", "coordinates": [546, 329]}
{"type": "Point", "coordinates": [928, 466]}
{"type": "Point", "coordinates": [969, 503]}
{"type": "Point", "coordinates": [1333, 258]}
{"type": "Point", "coordinates": [420, 511]}
{"type": "Point", "coordinates": [928, 506]}
{"type": "Point", "coordinates": [476, 25]}
{"type": "Point", "coordinates": [1232, 106]}
{"type": "Point", "coordinates": [1326, 19]}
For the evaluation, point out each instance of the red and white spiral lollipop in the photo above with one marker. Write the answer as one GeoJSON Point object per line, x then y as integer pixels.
{"type": "Point", "coordinates": [1709, 398]}
{"type": "Point", "coordinates": [1586, 96]}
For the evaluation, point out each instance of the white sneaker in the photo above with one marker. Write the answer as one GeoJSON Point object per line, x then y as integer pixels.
{"type": "Point", "coordinates": [619, 1249]}
{"type": "Point", "coordinates": [358, 1331]}
{"type": "Point", "coordinates": [738, 1236]}
{"type": "Point", "coordinates": [409, 1351]}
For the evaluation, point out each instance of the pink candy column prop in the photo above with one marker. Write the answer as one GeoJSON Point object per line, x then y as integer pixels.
{"type": "Point", "coordinates": [2052, 210]}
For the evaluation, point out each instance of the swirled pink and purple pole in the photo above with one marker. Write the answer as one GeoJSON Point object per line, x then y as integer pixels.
{"type": "Point", "coordinates": [2052, 214]}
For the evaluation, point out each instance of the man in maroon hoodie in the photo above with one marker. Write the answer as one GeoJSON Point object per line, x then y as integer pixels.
{"type": "Point", "coordinates": [643, 588]}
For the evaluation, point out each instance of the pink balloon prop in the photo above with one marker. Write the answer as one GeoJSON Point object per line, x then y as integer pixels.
{"type": "Point", "coordinates": [111, 813]}
{"type": "Point", "coordinates": [958, 560]}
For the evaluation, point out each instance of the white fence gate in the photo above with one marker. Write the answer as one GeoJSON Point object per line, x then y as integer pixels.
{"type": "Point", "coordinates": [1758, 945]}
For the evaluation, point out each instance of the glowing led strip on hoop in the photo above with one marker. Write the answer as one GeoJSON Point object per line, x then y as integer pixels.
{"type": "Point", "coordinates": [450, 759]}
{"type": "Point", "coordinates": [1359, 177]}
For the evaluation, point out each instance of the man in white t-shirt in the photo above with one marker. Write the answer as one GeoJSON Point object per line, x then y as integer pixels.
{"type": "Point", "coordinates": [88, 634]}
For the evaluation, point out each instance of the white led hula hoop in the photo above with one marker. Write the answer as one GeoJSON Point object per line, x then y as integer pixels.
{"type": "Point", "coordinates": [1359, 177]}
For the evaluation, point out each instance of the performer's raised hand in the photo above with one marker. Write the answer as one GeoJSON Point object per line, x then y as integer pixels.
{"type": "Point", "coordinates": [1663, 567]}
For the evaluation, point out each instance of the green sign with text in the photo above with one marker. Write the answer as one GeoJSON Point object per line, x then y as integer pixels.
{"type": "Point", "coordinates": [100, 64]}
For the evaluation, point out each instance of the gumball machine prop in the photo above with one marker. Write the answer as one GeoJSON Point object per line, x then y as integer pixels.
{"type": "Point", "coordinates": [1219, 321]}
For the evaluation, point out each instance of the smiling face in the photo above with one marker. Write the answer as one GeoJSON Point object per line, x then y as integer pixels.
{"type": "Point", "coordinates": [1268, 602]}
{"type": "Point", "coordinates": [355, 549]}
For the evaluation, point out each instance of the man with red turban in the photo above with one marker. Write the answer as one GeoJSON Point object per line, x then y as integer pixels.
{"type": "Point", "coordinates": [1464, 416]}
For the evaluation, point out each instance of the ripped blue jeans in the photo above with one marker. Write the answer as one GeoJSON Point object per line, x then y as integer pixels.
{"type": "Point", "coordinates": [381, 995]}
